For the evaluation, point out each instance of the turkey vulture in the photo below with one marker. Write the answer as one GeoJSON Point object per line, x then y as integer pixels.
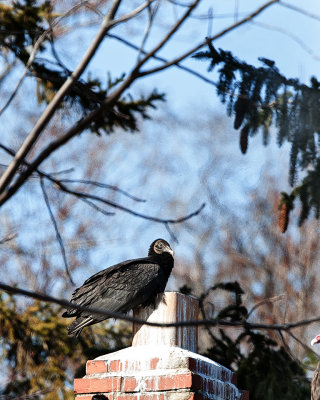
{"type": "Point", "coordinates": [315, 383]}
{"type": "Point", "coordinates": [122, 287]}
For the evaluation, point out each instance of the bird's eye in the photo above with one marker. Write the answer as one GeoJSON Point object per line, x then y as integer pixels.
{"type": "Point", "coordinates": [159, 246]}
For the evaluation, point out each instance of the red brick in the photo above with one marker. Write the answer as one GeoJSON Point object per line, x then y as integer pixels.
{"type": "Point", "coordinates": [169, 382]}
{"type": "Point", "coordinates": [138, 396]}
{"type": "Point", "coordinates": [114, 366]}
{"type": "Point", "coordinates": [96, 367]}
{"type": "Point", "coordinates": [129, 384]}
{"type": "Point", "coordinates": [154, 363]}
{"type": "Point", "coordinates": [108, 384]}
{"type": "Point", "coordinates": [125, 365]}
{"type": "Point", "coordinates": [83, 398]}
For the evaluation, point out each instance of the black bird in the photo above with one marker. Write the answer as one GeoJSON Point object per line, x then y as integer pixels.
{"type": "Point", "coordinates": [122, 287]}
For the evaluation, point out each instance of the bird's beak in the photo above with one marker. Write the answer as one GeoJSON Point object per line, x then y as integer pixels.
{"type": "Point", "coordinates": [169, 250]}
{"type": "Point", "coordinates": [316, 340]}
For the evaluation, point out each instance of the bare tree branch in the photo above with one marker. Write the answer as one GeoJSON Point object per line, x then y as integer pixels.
{"type": "Point", "coordinates": [103, 185]}
{"type": "Point", "coordinates": [56, 228]}
{"type": "Point", "coordinates": [82, 195]}
{"type": "Point", "coordinates": [166, 38]}
{"type": "Point", "coordinates": [97, 208]}
{"type": "Point", "coordinates": [171, 233]}
{"type": "Point", "coordinates": [266, 301]}
{"type": "Point", "coordinates": [86, 196]}
{"type": "Point", "coordinates": [204, 322]}
{"type": "Point", "coordinates": [152, 13]}
{"type": "Point", "coordinates": [108, 103]}
{"type": "Point", "coordinates": [212, 38]}
{"type": "Point", "coordinates": [132, 13]}
{"type": "Point", "coordinates": [4, 74]}
{"type": "Point", "coordinates": [53, 105]}
{"type": "Point", "coordinates": [189, 70]}
{"type": "Point", "coordinates": [8, 238]}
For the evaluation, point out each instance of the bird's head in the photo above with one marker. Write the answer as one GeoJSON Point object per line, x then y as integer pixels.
{"type": "Point", "coordinates": [315, 340]}
{"type": "Point", "coordinates": [160, 246]}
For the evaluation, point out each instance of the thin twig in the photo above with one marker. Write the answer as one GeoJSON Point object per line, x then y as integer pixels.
{"type": "Point", "coordinates": [131, 14]}
{"type": "Point", "coordinates": [166, 38]}
{"type": "Point", "coordinates": [305, 346]}
{"type": "Point", "coordinates": [105, 186]}
{"type": "Point", "coordinates": [170, 231]}
{"type": "Point", "coordinates": [56, 228]}
{"type": "Point", "coordinates": [292, 36]}
{"type": "Point", "coordinates": [152, 13]}
{"type": "Point", "coordinates": [8, 238]}
{"type": "Point", "coordinates": [299, 10]}
{"type": "Point", "coordinates": [97, 208]}
{"type": "Point", "coordinates": [266, 301]}
{"type": "Point", "coordinates": [82, 195]}
{"type": "Point", "coordinates": [110, 203]}
{"type": "Point", "coordinates": [164, 60]}
{"type": "Point", "coordinates": [204, 316]}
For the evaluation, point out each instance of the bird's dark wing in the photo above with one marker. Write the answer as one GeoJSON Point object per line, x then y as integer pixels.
{"type": "Point", "coordinates": [118, 288]}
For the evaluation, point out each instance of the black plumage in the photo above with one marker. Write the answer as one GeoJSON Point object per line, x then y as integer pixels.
{"type": "Point", "coordinates": [122, 287]}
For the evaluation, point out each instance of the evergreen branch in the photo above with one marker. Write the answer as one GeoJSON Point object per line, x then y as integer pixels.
{"type": "Point", "coordinates": [53, 105]}
{"type": "Point", "coordinates": [210, 39]}
{"type": "Point", "coordinates": [162, 59]}
{"type": "Point", "coordinates": [56, 228]}
{"type": "Point", "coordinates": [33, 53]}
{"type": "Point", "coordinates": [7, 192]}
{"type": "Point", "coordinates": [106, 108]}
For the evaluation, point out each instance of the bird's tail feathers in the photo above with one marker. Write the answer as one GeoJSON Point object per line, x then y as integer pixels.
{"type": "Point", "coordinates": [77, 325]}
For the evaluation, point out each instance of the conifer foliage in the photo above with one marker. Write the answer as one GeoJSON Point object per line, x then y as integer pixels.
{"type": "Point", "coordinates": [261, 96]}
{"type": "Point", "coordinates": [267, 370]}
{"type": "Point", "coordinates": [25, 24]}
{"type": "Point", "coordinates": [40, 358]}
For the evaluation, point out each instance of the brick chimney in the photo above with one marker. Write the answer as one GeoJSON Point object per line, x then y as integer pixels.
{"type": "Point", "coordinates": [161, 364]}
